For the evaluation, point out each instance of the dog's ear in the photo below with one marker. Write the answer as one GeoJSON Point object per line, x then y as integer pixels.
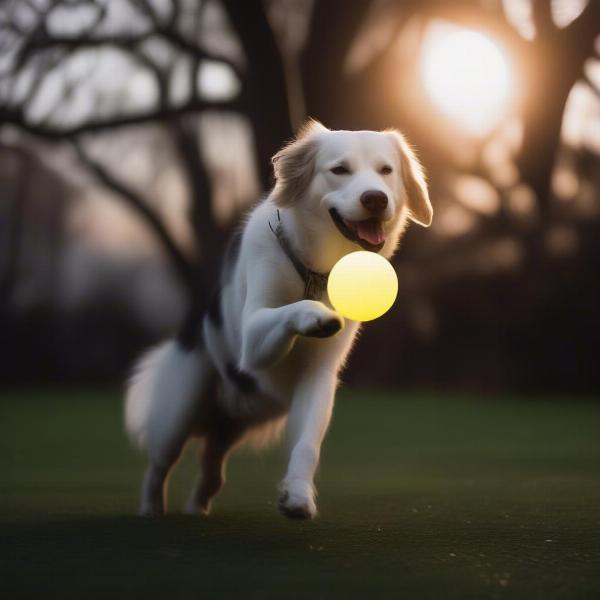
{"type": "Point", "coordinates": [294, 164]}
{"type": "Point", "coordinates": [413, 177]}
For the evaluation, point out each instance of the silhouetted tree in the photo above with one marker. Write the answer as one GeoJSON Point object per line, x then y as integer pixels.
{"type": "Point", "coordinates": [280, 81]}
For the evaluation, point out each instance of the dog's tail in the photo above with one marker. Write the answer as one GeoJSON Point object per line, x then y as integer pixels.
{"type": "Point", "coordinates": [161, 393]}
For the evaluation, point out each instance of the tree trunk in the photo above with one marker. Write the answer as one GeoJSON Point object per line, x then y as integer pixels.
{"type": "Point", "coordinates": [333, 29]}
{"type": "Point", "coordinates": [266, 91]}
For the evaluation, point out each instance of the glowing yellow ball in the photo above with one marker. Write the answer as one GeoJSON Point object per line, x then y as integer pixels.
{"type": "Point", "coordinates": [362, 286]}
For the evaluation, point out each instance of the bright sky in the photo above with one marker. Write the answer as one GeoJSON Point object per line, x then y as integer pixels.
{"type": "Point", "coordinates": [467, 76]}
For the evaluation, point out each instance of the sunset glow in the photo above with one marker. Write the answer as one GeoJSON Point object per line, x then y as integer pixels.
{"type": "Point", "coordinates": [467, 77]}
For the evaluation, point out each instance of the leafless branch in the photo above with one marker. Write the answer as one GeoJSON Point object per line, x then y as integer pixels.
{"type": "Point", "coordinates": [15, 116]}
{"type": "Point", "coordinates": [586, 27]}
{"type": "Point", "coordinates": [43, 41]}
{"type": "Point", "coordinates": [175, 14]}
{"type": "Point", "coordinates": [134, 200]}
{"type": "Point", "coordinates": [542, 17]}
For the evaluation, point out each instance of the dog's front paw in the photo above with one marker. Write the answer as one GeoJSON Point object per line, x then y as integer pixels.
{"type": "Point", "coordinates": [324, 328]}
{"type": "Point", "coordinates": [316, 320]}
{"type": "Point", "coordinates": [297, 500]}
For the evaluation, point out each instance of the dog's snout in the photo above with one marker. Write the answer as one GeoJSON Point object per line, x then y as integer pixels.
{"type": "Point", "coordinates": [374, 201]}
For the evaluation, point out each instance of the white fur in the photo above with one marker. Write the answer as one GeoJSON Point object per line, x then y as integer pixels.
{"type": "Point", "coordinates": [268, 328]}
{"type": "Point", "coordinates": [140, 394]}
{"type": "Point", "coordinates": [162, 393]}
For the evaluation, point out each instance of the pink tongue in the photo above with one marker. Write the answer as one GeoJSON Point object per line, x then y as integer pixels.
{"type": "Point", "coordinates": [370, 231]}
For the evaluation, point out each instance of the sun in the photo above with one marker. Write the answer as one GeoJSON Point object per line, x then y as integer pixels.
{"type": "Point", "coordinates": [467, 76]}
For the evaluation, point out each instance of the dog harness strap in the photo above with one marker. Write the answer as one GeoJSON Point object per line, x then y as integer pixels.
{"type": "Point", "coordinates": [315, 283]}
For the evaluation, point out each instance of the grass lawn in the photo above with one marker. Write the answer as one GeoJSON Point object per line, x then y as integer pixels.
{"type": "Point", "coordinates": [419, 498]}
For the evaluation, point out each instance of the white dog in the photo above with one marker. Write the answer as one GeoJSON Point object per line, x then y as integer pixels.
{"type": "Point", "coordinates": [270, 348]}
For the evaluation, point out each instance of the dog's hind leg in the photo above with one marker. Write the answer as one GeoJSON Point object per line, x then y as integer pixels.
{"type": "Point", "coordinates": [164, 408]}
{"type": "Point", "coordinates": [162, 459]}
{"type": "Point", "coordinates": [224, 435]}
{"type": "Point", "coordinates": [153, 490]}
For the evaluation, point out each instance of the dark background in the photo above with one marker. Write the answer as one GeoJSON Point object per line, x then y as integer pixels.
{"type": "Point", "coordinates": [133, 135]}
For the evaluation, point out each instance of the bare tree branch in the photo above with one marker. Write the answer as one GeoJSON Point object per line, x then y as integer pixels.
{"type": "Point", "coordinates": [266, 88]}
{"type": "Point", "coordinates": [161, 78]}
{"type": "Point", "coordinates": [43, 41]}
{"type": "Point", "coordinates": [16, 117]}
{"type": "Point", "coordinates": [45, 65]}
{"type": "Point", "coordinates": [134, 200]}
{"type": "Point", "coordinates": [210, 236]}
{"type": "Point", "coordinates": [586, 27]}
{"type": "Point", "coordinates": [175, 13]}
{"type": "Point", "coordinates": [148, 10]}
{"type": "Point", "coordinates": [542, 17]}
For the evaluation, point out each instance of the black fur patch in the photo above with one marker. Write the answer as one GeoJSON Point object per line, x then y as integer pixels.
{"type": "Point", "coordinates": [190, 334]}
{"type": "Point", "coordinates": [215, 314]}
{"type": "Point", "coordinates": [244, 382]}
{"type": "Point", "coordinates": [326, 329]}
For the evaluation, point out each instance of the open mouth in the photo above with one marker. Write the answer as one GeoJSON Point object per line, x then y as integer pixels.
{"type": "Point", "coordinates": [368, 234]}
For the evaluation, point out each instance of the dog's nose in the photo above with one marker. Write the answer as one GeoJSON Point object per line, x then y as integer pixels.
{"type": "Point", "coordinates": [375, 202]}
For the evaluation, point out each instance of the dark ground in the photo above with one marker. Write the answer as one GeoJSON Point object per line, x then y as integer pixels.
{"type": "Point", "coordinates": [419, 498]}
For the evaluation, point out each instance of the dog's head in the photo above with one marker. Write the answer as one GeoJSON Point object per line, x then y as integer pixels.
{"type": "Point", "coordinates": [364, 184]}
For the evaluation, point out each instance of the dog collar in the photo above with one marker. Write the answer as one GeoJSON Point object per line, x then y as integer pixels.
{"type": "Point", "coordinates": [315, 284]}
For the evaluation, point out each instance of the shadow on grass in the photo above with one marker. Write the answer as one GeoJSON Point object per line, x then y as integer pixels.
{"type": "Point", "coordinates": [427, 553]}
{"type": "Point", "coordinates": [420, 498]}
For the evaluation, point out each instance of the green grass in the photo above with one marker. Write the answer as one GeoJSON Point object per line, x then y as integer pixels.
{"type": "Point", "coordinates": [419, 498]}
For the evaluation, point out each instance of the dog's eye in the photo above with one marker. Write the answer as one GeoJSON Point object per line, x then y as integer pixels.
{"type": "Point", "coordinates": [340, 170]}
{"type": "Point", "coordinates": [385, 170]}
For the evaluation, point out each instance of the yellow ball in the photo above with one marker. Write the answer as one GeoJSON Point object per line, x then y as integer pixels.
{"type": "Point", "coordinates": [362, 286]}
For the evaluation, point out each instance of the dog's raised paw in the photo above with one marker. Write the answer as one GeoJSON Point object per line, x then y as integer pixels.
{"type": "Point", "coordinates": [324, 328]}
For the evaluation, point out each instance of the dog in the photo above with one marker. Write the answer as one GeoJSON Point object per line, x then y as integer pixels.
{"type": "Point", "coordinates": [269, 350]}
